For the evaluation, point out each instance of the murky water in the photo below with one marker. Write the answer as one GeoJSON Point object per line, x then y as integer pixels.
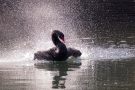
{"type": "Point", "coordinates": [89, 75]}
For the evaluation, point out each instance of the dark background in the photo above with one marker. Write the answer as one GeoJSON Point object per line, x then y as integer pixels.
{"type": "Point", "coordinates": [91, 18]}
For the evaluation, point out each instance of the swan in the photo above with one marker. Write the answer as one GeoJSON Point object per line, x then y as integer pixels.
{"type": "Point", "coordinates": [58, 53]}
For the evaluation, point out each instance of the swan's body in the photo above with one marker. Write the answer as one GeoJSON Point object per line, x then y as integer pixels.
{"type": "Point", "coordinates": [58, 53]}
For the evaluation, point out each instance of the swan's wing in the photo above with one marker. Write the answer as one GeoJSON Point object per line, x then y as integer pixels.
{"type": "Point", "coordinates": [40, 55]}
{"type": "Point", "coordinates": [74, 52]}
{"type": "Point", "coordinates": [48, 55]}
{"type": "Point", "coordinates": [52, 51]}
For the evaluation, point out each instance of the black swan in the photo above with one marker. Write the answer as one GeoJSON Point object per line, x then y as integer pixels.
{"type": "Point", "coordinates": [58, 53]}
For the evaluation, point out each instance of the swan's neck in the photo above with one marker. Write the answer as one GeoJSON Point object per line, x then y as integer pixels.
{"type": "Point", "coordinates": [60, 45]}
{"type": "Point", "coordinates": [62, 48]}
{"type": "Point", "coordinates": [55, 39]}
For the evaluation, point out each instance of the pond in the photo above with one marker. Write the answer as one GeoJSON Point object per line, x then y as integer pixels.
{"type": "Point", "coordinates": [105, 66]}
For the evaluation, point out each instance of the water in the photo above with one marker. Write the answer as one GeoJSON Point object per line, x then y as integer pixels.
{"type": "Point", "coordinates": [107, 45]}
{"type": "Point", "coordinates": [90, 75]}
{"type": "Point", "coordinates": [99, 68]}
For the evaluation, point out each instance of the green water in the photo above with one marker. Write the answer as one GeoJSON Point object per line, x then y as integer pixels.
{"type": "Point", "coordinates": [87, 75]}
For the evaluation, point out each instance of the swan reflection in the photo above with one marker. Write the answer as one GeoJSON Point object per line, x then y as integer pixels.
{"type": "Point", "coordinates": [62, 68]}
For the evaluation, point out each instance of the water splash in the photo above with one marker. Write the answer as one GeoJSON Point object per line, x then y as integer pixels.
{"type": "Point", "coordinates": [100, 53]}
{"type": "Point", "coordinates": [27, 28]}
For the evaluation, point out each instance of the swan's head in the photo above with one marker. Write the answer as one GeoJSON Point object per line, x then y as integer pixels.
{"type": "Point", "coordinates": [60, 35]}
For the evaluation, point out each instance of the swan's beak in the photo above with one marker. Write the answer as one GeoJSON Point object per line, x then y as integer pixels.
{"type": "Point", "coordinates": [63, 39]}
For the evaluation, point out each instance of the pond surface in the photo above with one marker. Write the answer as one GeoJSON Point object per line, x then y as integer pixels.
{"type": "Point", "coordinates": [108, 65]}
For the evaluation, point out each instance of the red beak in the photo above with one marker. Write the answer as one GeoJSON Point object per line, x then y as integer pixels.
{"type": "Point", "coordinates": [63, 39]}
